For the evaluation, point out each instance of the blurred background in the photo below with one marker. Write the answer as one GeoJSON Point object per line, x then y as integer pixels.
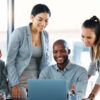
{"type": "Point", "coordinates": [64, 23]}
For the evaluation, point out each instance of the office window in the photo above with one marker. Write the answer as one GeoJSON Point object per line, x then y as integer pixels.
{"type": "Point", "coordinates": [3, 28]}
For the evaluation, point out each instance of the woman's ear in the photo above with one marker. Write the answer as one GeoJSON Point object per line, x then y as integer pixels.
{"type": "Point", "coordinates": [31, 17]}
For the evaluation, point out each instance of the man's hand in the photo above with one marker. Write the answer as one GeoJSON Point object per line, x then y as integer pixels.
{"type": "Point", "coordinates": [72, 91]}
{"type": "Point", "coordinates": [26, 87]}
{"type": "Point", "coordinates": [73, 88]}
{"type": "Point", "coordinates": [16, 92]}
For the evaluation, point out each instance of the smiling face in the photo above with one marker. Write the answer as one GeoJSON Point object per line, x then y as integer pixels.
{"type": "Point", "coordinates": [60, 54]}
{"type": "Point", "coordinates": [88, 36]}
{"type": "Point", "coordinates": [40, 21]}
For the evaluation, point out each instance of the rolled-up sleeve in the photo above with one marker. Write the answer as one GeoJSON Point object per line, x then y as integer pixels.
{"type": "Point", "coordinates": [98, 80]}
{"type": "Point", "coordinates": [81, 84]}
{"type": "Point", "coordinates": [92, 69]}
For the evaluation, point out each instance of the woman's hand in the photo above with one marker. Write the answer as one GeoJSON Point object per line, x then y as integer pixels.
{"type": "Point", "coordinates": [16, 92]}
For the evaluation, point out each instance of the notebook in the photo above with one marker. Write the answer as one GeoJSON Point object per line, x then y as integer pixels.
{"type": "Point", "coordinates": [47, 90]}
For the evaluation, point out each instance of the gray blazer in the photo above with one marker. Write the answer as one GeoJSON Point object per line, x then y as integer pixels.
{"type": "Point", "coordinates": [3, 80]}
{"type": "Point", "coordinates": [20, 52]}
{"type": "Point", "coordinates": [94, 67]}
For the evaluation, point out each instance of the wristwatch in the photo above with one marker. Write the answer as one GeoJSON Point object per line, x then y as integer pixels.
{"type": "Point", "coordinates": [92, 96]}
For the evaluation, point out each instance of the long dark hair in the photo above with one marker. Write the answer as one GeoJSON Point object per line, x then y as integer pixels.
{"type": "Point", "coordinates": [94, 24]}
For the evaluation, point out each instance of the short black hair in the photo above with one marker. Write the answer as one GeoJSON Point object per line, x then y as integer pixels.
{"type": "Point", "coordinates": [62, 41]}
{"type": "Point", "coordinates": [40, 8]}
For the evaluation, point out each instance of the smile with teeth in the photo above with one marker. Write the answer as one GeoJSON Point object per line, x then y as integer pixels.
{"type": "Point", "coordinates": [60, 59]}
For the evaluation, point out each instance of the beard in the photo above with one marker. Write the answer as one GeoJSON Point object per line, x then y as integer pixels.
{"type": "Point", "coordinates": [65, 60]}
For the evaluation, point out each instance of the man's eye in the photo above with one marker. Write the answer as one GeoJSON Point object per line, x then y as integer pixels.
{"type": "Point", "coordinates": [54, 51]}
{"type": "Point", "coordinates": [63, 51]}
{"type": "Point", "coordinates": [46, 20]}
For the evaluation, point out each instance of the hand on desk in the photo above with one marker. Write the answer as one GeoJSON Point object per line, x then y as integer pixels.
{"type": "Point", "coordinates": [19, 93]}
{"type": "Point", "coordinates": [16, 92]}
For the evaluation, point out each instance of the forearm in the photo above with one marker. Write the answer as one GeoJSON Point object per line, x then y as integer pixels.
{"type": "Point", "coordinates": [89, 76]}
{"type": "Point", "coordinates": [94, 91]}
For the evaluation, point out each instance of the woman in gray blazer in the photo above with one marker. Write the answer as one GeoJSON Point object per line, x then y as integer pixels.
{"type": "Point", "coordinates": [28, 51]}
{"type": "Point", "coordinates": [91, 38]}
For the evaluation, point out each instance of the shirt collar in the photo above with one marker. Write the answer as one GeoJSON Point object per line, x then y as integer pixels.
{"type": "Point", "coordinates": [68, 66]}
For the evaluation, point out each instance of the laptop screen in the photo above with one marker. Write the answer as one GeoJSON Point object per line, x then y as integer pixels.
{"type": "Point", "coordinates": [47, 90]}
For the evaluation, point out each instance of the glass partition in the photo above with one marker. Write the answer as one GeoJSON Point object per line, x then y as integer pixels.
{"type": "Point", "coordinates": [3, 28]}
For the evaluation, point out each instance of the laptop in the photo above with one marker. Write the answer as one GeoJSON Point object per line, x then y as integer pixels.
{"type": "Point", "coordinates": [47, 90]}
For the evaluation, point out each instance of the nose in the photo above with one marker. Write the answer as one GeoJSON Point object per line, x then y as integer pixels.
{"type": "Point", "coordinates": [43, 23]}
{"type": "Point", "coordinates": [85, 39]}
{"type": "Point", "coordinates": [58, 54]}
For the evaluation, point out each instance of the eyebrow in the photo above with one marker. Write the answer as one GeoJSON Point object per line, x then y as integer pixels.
{"type": "Point", "coordinates": [42, 18]}
{"type": "Point", "coordinates": [39, 17]}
